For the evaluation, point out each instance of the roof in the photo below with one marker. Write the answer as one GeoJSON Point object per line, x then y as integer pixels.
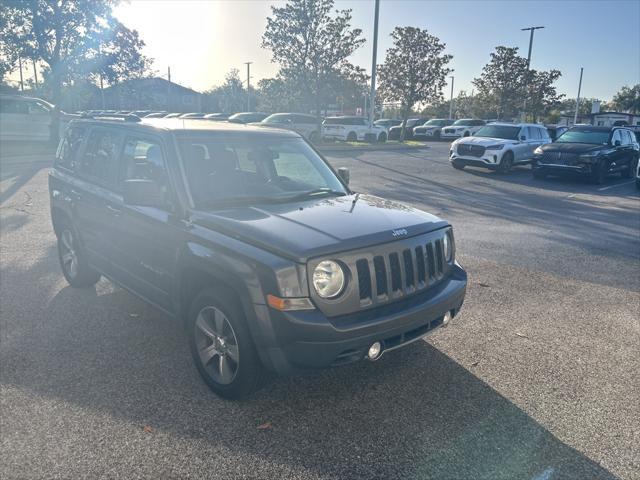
{"type": "Point", "coordinates": [192, 125]}
{"type": "Point", "coordinates": [507, 124]}
{"type": "Point", "coordinates": [593, 128]}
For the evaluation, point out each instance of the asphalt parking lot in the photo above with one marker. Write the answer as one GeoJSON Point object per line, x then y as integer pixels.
{"type": "Point", "coordinates": [536, 379]}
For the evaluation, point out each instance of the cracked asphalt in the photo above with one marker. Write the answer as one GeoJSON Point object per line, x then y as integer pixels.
{"type": "Point", "coordinates": [536, 379]}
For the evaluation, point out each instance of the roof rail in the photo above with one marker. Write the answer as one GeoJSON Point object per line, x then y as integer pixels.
{"type": "Point", "coordinates": [112, 116]}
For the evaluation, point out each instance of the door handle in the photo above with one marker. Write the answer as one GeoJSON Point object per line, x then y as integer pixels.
{"type": "Point", "coordinates": [114, 211]}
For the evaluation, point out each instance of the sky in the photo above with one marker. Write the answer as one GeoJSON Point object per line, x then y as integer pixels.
{"type": "Point", "coordinates": [201, 40]}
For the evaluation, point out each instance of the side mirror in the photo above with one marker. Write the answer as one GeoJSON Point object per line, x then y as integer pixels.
{"type": "Point", "coordinates": [617, 143]}
{"type": "Point", "coordinates": [343, 173]}
{"type": "Point", "coordinates": [523, 138]}
{"type": "Point", "coordinates": [143, 193]}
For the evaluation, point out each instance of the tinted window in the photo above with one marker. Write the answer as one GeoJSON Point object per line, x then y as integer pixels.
{"type": "Point", "coordinates": [507, 132]}
{"type": "Point", "coordinates": [436, 123]}
{"type": "Point", "coordinates": [69, 148]}
{"type": "Point", "coordinates": [277, 118]}
{"type": "Point", "coordinates": [13, 106]}
{"type": "Point", "coordinates": [616, 137]}
{"type": "Point", "coordinates": [336, 121]}
{"type": "Point", "coordinates": [143, 159]}
{"type": "Point", "coordinates": [535, 133]}
{"type": "Point", "coordinates": [36, 108]}
{"type": "Point", "coordinates": [597, 137]}
{"type": "Point", "coordinates": [100, 160]}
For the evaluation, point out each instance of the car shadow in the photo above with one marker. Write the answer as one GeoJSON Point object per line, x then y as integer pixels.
{"type": "Point", "coordinates": [415, 413]}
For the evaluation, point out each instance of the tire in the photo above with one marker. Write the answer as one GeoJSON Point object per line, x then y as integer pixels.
{"type": "Point", "coordinates": [382, 138]}
{"type": "Point", "coordinates": [457, 165]}
{"type": "Point", "coordinates": [631, 171]}
{"type": "Point", "coordinates": [601, 172]}
{"type": "Point", "coordinates": [466, 134]}
{"type": "Point", "coordinates": [506, 164]}
{"type": "Point", "coordinates": [352, 137]}
{"type": "Point", "coordinates": [221, 344]}
{"type": "Point", "coordinates": [73, 259]}
{"type": "Point", "coordinates": [436, 135]}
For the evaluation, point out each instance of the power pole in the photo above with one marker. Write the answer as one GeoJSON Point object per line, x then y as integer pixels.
{"type": "Point", "coordinates": [248, 64]}
{"type": "Point", "coordinates": [531, 29]}
{"type": "Point", "coordinates": [451, 99]}
{"type": "Point", "coordinates": [575, 117]}
{"type": "Point", "coordinates": [20, 66]}
{"type": "Point", "coordinates": [372, 102]}
{"type": "Point", "coordinates": [102, 92]}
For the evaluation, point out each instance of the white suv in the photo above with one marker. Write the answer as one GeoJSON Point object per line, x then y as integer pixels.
{"type": "Point", "coordinates": [465, 127]}
{"type": "Point", "coordinates": [352, 129]}
{"type": "Point", "coordinates": [499, 146]}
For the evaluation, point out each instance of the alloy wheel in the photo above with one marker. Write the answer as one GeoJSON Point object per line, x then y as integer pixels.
{"type": "Point", "coordinates": [69, 254]}
{"type": "Point", "coordinates": [217, 345]}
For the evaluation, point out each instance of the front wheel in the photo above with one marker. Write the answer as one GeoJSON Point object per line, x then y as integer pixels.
{"type": "Point", "coordinates": [221, 345]}
{"type": "Point", "coordinates": [457, 165]}
{"type": "Point", "coordinates": [352, 137]}
{"type": "Point", "coordinates": [382, 138]}
{"type": "Point", "coordinates": [73, 259]}
{"type": "Point", "coordinates": [631, 171]}
{"type": "Point", "coordinates": [506, 164]}
{"type": "Point", "coordinates": [601, 172]}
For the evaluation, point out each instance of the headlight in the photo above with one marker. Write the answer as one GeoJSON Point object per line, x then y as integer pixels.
{"type": "Point", "coordinates": [590, 155]}
{"type": "Point", "coordinates": [495, 147]}
{"type": "Point", "coordinates": [328, 279]}
{"type": "Point", "coordinates": [538, 151]}
{"type": "Point", "coordinates": [447, 242]}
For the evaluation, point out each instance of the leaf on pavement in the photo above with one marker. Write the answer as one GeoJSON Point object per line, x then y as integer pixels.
{"type": "Point", "coordinates": [134, 315]}
{"type": "Point", "coordinates": [484, 285]}
{"type": "Point", "coordinates": [265, 426]}
{"type": "Point", "coordinates": [148, 429]}
{"type": "Point", "coordinates": [521, 335]}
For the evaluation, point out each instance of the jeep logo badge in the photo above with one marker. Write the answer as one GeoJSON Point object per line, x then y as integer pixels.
{"type": "Point", "coordinates": [399, 232]}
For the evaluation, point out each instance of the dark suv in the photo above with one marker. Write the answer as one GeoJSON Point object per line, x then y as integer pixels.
{"type": "Point", "coordinates": [590, 151]}
{"type": "Point", "coordinates": [250, 237]}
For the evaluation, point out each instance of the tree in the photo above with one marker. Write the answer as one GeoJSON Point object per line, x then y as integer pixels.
{"type": "Point", "coordinates": [542, 96]}
{"type": "Point", "coordinates": [231, 96]}
{"type": "Point", "coordinates": [280, 95]}
{"type": "Point", "coordinates": [628, 99]}
{"type": "Point", "coordinates": [501, 84]}
{"type": "Point", "coordinates": [310, 45]}
{"type": "Point", "coordinates": [414, 70]}
{"type": "Point", "coordinates": [65, 35]}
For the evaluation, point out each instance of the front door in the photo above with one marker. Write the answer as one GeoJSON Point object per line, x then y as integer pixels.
{"type": "Point", "coordinates": [145, 252]}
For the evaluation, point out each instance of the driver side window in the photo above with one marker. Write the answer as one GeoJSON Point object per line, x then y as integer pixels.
{"type": "Point", "coordinates": [143, 160]}
{"type": "Point", "coordinates": [616, 137]}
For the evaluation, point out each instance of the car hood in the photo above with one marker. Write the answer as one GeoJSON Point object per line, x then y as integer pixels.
{"type": "Point", "coordinates": [312, 228]}
{"type": "Point", "coordinates": [485, 141]}
{"type": "Point", "coordinates": [572, 147]}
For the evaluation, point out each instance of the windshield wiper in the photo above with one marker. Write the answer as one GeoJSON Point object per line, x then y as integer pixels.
{"type": "Point", "coordinates": [317, 192]}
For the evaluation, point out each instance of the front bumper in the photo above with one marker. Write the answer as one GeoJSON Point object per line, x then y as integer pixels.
{"type": "Point", "coordinates": [426, 134]}
{"type": "Point", "coordinates": [583, 167]}
{"type": "Point", "coordinates": [490, 159]}
{"type": "Point", "coordinates": [302, 340]}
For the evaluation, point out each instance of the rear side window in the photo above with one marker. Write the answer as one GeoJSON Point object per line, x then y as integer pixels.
{"type": "Point", "coordinates": [535, 133]}
{"type": "Point", "coordinates": [100, 162]}
{"type": "Point", "coordinates": [67, 155]}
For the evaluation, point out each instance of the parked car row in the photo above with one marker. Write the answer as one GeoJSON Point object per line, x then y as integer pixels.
{"type": "Point", "coordinates": [585, 150]}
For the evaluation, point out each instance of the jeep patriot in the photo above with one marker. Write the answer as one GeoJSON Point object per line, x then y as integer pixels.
{"type": "Point", "coordinates": [251, 238]}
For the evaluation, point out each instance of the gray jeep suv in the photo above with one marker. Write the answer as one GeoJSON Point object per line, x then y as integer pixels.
{"type": "Point", "coordinates": [248, 236]}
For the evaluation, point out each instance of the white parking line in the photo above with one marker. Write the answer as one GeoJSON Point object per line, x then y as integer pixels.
{"type": "Point", "coordinates": [616, 185]}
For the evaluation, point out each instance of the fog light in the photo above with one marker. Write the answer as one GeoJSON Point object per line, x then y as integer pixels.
{"type": "Point", "coordinates": [447, 318]}
{"type": "Point", "coordinates": [374, 351]}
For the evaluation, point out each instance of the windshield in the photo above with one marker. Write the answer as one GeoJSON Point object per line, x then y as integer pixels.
{"type": "Point", "coordinates": [276, 118]}
{"type": "Point", "coordinates": [507, 132]}
{"type": "Point", "coordinates": [242, 169]}
{"type": "Point", "coordinates": [597, 137]}
{"type": "Point", "coordinates": [463, 121]}
{"type": "Point", "coordinates": [412, 122]}
{"type": "Point", "coordinates": [436, 123]}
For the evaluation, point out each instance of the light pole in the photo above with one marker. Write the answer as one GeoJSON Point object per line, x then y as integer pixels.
{"type": "Point", "coordinates": [451, 99]}
{"type": "Point", "coordinates": [372, 103]}
{"type": "Point", "coordinates": [575, 117]}
{"type": "Point", "coordinates": [248, 64]}
{"type": "Point", "coordinates": [531, 29]}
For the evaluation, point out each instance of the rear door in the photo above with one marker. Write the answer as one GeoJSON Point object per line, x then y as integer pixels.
{"type": "Point", "coordinates": [145, 253]}
{"type": "Point", "coordinates": [96, 196]}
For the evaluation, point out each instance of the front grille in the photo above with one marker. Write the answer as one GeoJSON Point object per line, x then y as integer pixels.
{"type": "Point", "coordinates": [559, 158]}
{"type": "Point", "coordinates": [400, 272]}
{"type": "Point", "coordinates": [470, 149]}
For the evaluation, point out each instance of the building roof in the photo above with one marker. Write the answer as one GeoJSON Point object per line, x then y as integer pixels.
{"type": "Point", "coordinates": [152, 82]}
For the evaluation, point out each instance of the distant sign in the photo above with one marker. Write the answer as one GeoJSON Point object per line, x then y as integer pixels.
{"type": "Point", "coordinates": [595, 107]}
{"type": "Point", "coordinates": [359, 111]}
